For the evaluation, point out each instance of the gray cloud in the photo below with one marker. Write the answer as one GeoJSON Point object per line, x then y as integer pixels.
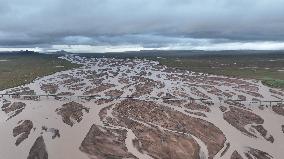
{"type": "Point", "coordinates": [149, 23]}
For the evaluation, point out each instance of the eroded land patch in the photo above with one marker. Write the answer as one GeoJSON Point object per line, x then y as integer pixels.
{"type": "Point", "coordinates": [72, 112]}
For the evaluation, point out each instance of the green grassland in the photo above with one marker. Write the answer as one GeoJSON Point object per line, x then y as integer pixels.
{"type": "Point", "coordinates": [17, 69]}
{"type": "Point", "coordinates": [270, 70]}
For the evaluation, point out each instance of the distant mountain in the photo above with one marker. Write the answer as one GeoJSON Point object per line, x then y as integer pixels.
{"type": "Point", "coordinates": [22, 52]}
{"type": "Point", "coordinates": [186, 53]}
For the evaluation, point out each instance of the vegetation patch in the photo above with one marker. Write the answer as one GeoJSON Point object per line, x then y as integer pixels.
{"type": "Point", "coordinates": [18, 69]}
{"type": "Point", "coordinates": [276, 83]}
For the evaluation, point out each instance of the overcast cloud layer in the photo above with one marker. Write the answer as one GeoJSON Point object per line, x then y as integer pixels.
{"type": "Point", "coordinates": [121, 25]}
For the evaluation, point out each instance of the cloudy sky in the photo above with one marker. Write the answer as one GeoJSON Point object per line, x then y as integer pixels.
{"type": "Point", "coordinates": [122, 25]}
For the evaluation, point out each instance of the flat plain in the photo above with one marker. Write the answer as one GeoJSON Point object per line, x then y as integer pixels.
{"type": "Point", "coordinates": [139, 108]}
{"type": "Point", "coordinates": [17, 69]}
